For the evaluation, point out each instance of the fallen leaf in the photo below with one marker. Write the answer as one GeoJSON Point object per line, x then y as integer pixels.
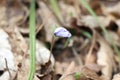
{"type": "Point", "coordinates": [66, 75]}
{"type": "Point", "coordinates": [60, 67]}
{"type": "Point", "coordinates": [89, 73]}
{"type": "Point", "coordinates": [11, 12]}
{"type": "Point", "coordinates": [51, 23]}
{"type": "Point", "coordinates": [105, 58]}
{"type": "Point", "coordinates": [94, 67]}
{"type": "Point", "coordinates": [112, 10]}
{"type": "Point", "coordinates": [92, 23]}
{"type": "Point", "coordinates": [68, 12]}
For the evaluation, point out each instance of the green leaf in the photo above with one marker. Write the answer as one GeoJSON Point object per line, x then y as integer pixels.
{"type": "Point", "coordinates": [32, 40]}
{"type": "Point", "coordinates": [77, 75]}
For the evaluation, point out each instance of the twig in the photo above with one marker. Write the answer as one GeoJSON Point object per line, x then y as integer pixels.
{"type": "Point", "coordinates": [92, 45]}
{"type": "Point", "coordinates": [85, 43]}
{"type": "Point", "coordinates": [52, 43]}
{"type": "Point", "coordinates": [77, 57]}
{"type": "Point", "coordinates": [8, 68]}
{"type": "Point", "coordinates": [41, 26]}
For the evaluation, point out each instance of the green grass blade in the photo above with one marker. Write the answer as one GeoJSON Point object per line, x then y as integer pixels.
{"type": "Point", "coordinates": [32, 40]}
{"type": "Point", "coordinates": [87, 6]}
{"type": "Point", "coordinates": [56, 9]}
{"type": "Point", "coordinates": [87, 34]}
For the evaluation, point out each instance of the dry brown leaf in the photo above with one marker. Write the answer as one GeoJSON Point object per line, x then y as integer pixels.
{"type": "Point", "coordinates": [60, 67]}
{"type": "Point", "coordinates": [68, 12]}
{"type": "Point", "coordinates": [115, 38]}
{"type": "Point", "coordinates": [20, 49]}
{"type": "Point", "coordinates": [112, 10]}
{"type": "Point", "coordinates": [11, 12]}
{"type": "Point", "coordinates": [90, 58]}
{"type": "Point", "coordinates": [19, 45]}
{"type": "Point", "coordinates": [105, 58]}
{"type": "Point", "coordinates": [118, 23]}
{"type": "Point", "coordinates": [94, 67]}
{"type": "Point", "coordinates": [51, 23]}
{"type": "Point", "coordinates": [89, 73]}
{"type": "Point", "coordinates": [96, 6]}
{"type": "Point", "coordinates": [2, 13]}
{"type": "Point", "coordinates": [69, 70]}
{"type": "Point", "coordinates": [91, 21]}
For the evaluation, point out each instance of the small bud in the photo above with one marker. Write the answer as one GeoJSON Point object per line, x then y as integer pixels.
{"type": "Point", "coordinates": [62, 32]}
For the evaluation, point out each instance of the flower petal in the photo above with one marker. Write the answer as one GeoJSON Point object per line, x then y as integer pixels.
{"type": "Point", "coordinates": [62, 32]}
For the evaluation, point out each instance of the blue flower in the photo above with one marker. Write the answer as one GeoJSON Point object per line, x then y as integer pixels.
{"type": "Point", "coordinates": [62, 32]}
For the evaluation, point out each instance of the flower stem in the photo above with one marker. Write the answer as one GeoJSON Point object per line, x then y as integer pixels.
{"type": "Point", "coordinates": [52, 44]}
{"type": "Point", "coordinates": [66, 43]}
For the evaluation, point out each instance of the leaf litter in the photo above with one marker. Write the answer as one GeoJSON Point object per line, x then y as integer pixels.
{"type": "Point", "coordinates": [90, 52]}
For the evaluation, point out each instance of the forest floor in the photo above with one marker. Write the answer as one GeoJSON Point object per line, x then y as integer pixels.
{"type": "Point", "coordinates": [93, 52]}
